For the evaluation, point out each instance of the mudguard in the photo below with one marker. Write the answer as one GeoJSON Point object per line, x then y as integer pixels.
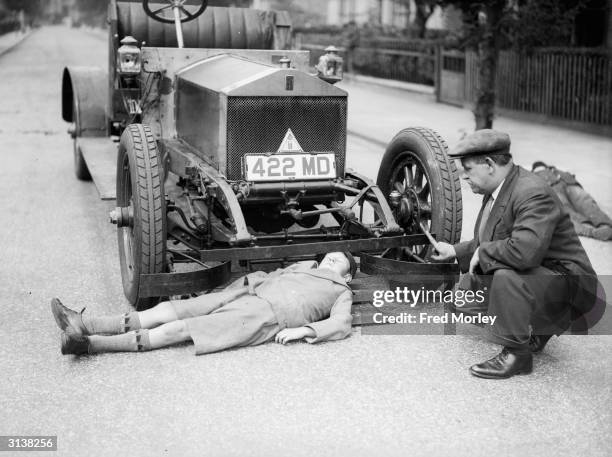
{"type": "Point", "coordinates": [84, 99]}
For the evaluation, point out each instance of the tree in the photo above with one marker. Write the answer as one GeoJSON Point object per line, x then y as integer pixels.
{"type": "Point", "coordinates": [30, 7]}
{"type": "Point", "coordinates": [490, 17]}
{"type": "Point", "coordinates": [482, 22]}
{"type": "Point", "coordinates": [423, 11]}
{"type": "Point", "coordinates": [543, 23]}
{"type": "Point", "coordinates": [521, 24]}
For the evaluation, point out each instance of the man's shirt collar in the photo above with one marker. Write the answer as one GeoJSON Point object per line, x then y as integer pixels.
{"type": "Point", "coordinates": [495, 193]}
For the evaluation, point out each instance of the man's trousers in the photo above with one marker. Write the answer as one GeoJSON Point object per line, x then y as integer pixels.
{"type": "Point", "coordinates": [535, 301]}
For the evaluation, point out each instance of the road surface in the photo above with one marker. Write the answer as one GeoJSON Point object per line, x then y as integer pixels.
{"type": "Point", "coordinates": [367, 395]}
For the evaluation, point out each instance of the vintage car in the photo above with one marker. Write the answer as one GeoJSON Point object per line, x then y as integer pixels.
{"type": "Point", "coordinates": [222, 147]}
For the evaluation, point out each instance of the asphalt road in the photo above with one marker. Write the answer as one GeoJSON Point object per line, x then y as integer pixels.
{"type": "Point", "coordinates": [366, 395]}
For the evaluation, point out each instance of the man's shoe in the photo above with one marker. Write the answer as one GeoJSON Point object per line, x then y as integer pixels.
{"type": "Point", "coordinates": [74, 344]}
{"type": "Point", "coordinates": [504, 365]}
{"type": "Point", "coordinates": [537, 342]}
{"type": "Point", "coordinates": [68, 320]}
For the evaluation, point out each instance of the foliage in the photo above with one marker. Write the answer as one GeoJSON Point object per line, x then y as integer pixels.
{"type": "Point", "coordinates": [492, 25]}
{"type": "Point", "coordinates": [92, 12]}
{"type": "Point", "coordinates": [542, 23]}
{"type": "Point", "coordinates": [522, 24]}
{"type": "Point", "coordinates": [30, 7]}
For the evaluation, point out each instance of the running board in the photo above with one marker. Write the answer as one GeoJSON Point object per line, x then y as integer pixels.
{"type": "Point", "coordinates": [100, 154]}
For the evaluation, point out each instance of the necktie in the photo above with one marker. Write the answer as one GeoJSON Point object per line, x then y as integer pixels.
{"type": "Point", "coordinates": [486, 212]}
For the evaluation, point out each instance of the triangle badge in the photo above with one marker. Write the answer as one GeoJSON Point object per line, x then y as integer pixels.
{"type": "Point", "coordinates": [290, 143]}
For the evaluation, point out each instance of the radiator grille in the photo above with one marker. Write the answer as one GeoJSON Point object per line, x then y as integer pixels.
{"type": "Point", "coordinates": [258, 125]}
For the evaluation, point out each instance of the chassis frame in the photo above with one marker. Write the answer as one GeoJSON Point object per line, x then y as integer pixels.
{"type": "Point", "coordinates": [219, 243]}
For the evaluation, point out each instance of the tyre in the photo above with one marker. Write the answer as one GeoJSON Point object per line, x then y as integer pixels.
{"type": "Point", "coordinates": [80, 167]}
{"type": "Point", "coordinates": [416, 164]}
{"type": "Point", "coordinates": [140, 187]}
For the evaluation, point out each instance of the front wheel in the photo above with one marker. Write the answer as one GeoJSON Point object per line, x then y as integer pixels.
{"type": "Point", "coordinates": [428, 190]}
{"type": "Point", "coordinates": [140, 189]}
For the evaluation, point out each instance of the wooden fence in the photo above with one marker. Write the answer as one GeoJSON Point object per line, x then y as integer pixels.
{"type": "Point", "coordinates": [563, 83]}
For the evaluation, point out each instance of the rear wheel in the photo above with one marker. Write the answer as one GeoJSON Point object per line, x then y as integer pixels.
{"type": "Point", "coordinates": [417, 166]}
{"type": "Point", "coordinates": [140, 188]}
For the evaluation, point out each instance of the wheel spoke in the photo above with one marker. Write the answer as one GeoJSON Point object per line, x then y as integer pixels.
{"type": "Point", "coordinates": [426, 212]}
{"type": "Point", "coordinates": [418, 178]}
{"type": "Point", "coordinates": [399, 187]}
{"type": "Point", "coordinates": [424, 192]}
{"type": "Point", "coordinates": [161, 9]}
{"type": "Point", "coordinates": [408, 176]}
{"type": "Point", "coordinates": [187, 13]}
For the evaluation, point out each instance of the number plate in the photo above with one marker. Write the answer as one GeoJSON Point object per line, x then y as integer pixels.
{"type": "Point", "coordinates": [284, 167]}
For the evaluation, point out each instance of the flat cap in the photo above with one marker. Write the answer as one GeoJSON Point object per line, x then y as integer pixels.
{"type": "Point", "coordinates": [481, 142]}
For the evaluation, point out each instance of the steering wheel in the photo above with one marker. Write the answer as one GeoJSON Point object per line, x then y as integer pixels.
{"type": "Point", "coordinates": [161, 14]}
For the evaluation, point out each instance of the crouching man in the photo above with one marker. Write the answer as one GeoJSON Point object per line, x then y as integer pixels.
{"type": "Point", "coordinates": [305, 300]}
{"type": "Point", "coordinates": [536, 272]}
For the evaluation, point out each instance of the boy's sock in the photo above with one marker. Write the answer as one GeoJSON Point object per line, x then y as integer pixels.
{"type": "Point", "coordinates": [137, 341]}
{"type": "Point", "coordinates": [113, 325]}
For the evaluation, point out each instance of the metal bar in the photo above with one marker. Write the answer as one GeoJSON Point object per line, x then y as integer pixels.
{"type": "Point", "coordinates": [187, 256]}
{"type": "Point", "coordinates": [164, 284]}
{"type": "Point", "coordinates": [182, 157]}
{"type": "Point", "coordinates": [385, 210]}
{"type": "Point", "coordinates": [319, 211]}
{"type": "Point", "coordinates": [179, 27]}
{"type": "Point", "coordinates": [360, 195]}
{"type": "Point", "coordinates": [398, 269]}
{"type": "Point", "coordinates": [290, 250]}
{"type": "Point", "coordinates": [309, 236]}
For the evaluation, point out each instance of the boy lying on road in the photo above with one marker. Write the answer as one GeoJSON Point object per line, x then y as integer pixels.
{"type": "Point", "coordinates": [305, 300]}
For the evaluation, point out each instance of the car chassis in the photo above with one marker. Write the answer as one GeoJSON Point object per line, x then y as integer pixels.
{"type": "Point", "coordinates": [187, 188]}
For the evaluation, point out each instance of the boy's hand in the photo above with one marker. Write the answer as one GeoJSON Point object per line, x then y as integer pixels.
{"type": "Point", "coordinates": [292, 334]}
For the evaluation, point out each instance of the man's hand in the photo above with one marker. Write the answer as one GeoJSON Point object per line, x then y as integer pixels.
{"type": "Point", "coordinates": [444, 251]}
{"type": "Point", "coordinates": [292, 334]}
{"type": "Point", "coordinates": [475, 261]}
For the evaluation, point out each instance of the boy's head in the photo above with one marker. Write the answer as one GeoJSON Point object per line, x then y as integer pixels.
{"type": "Point", "coordinates": [342, 263]}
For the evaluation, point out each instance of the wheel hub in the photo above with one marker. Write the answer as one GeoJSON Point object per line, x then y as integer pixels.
{"type": "Point", "coordinates": [406, 207]}
{"type": "Point", "coordinates": [122, 216]}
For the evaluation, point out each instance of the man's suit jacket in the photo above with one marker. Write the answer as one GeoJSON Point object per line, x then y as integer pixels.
{"type": "Point", "coordinates": [528, 227]}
